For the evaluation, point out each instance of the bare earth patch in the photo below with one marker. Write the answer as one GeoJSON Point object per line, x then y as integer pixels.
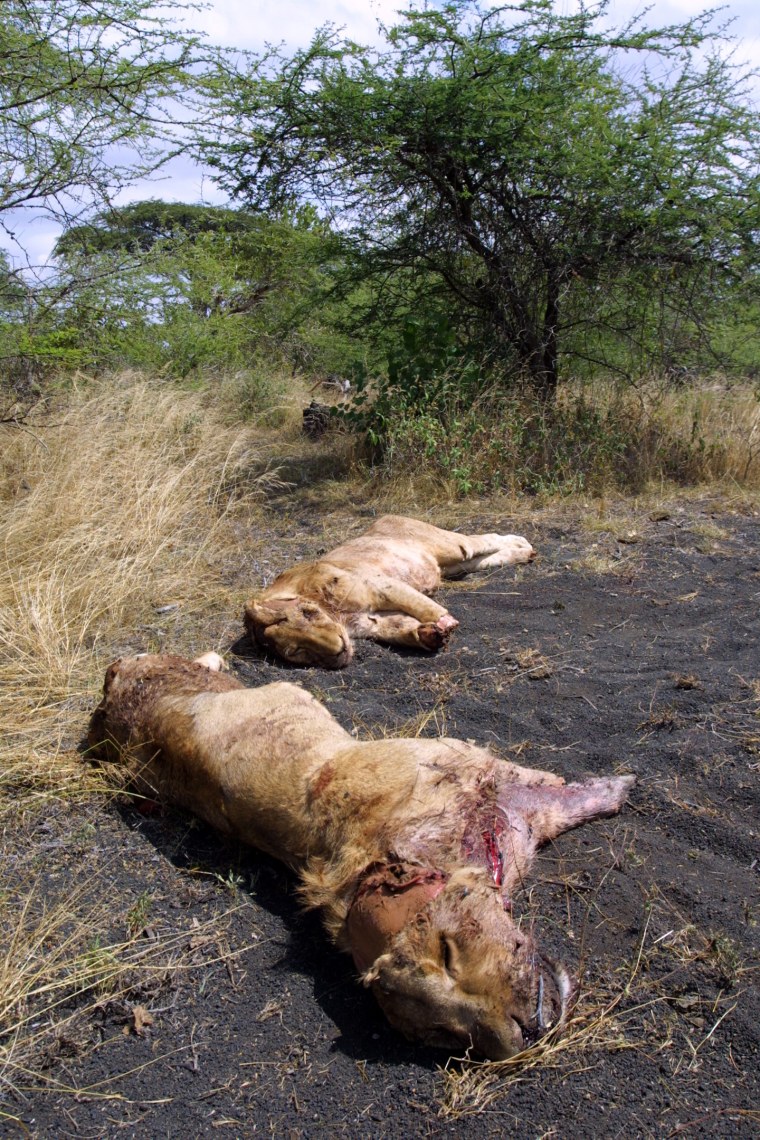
{"type": "Point", "coordinates": [628, 647]}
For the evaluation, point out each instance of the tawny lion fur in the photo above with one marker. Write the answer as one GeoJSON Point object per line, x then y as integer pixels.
{"type": "Point", "coordinates": [410, 848]}
{"type": "Point", "coordinates": [374, 586]}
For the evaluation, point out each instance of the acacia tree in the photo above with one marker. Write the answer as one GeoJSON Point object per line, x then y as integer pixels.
{"type": "Point", "coordinates": [83, 83]}
{"type": "Point", "coordinates": [87, 103]}
{"type": "Point", "coordinates": [181, 286]}
{"type": "Point", "coordinates": [539, 178]}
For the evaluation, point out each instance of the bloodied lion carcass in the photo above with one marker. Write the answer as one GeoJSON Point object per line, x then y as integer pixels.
{"type": "Point", "coordinates": [410, 848]}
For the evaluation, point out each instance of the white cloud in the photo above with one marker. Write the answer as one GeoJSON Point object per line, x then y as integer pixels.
{"type": "Point", "coordinates": [240, 23]}
{"type": "Point", "coordinates": [29, 239]}
{"type": "Point", "coordinates": [181, 180]}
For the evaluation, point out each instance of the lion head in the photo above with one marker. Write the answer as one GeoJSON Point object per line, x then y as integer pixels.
{"type": "Point", "coordinates": [459, 973]}
{"type": "Point", "coordinates": [300, 631]}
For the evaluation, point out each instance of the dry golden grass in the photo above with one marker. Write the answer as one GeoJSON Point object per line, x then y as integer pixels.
{"type": "Point", "coordinates": [728, 420]}
{"type": "Point", "coordinates": [702, 432]}
{"type": "Point", "coordinates": [118, 501]}
{"type": "Point", "coordinates": [430, 721]}
{"type": "Point", "coordinates": [115, 504]}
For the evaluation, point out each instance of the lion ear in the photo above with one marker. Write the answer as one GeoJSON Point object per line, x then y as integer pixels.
{"type": "Point", "coordinates": [373, 973]}
{"type": "Point", "coordinates": [111, 672]}
{"type": "Point", "coordinates": [260, 615]}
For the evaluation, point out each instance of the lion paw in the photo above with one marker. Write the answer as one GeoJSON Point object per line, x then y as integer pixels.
{"type": "Point", "coordinates": [211, 661]}
{"type": "Point", "coordinates": [433, 635]}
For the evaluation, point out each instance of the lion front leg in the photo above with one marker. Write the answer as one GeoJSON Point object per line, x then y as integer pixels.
{"type": "Point", "coordinates": [402, 615]}
{"type": "Point", "coordinates": [391, 595]}
{"type": "Point", "coordinates": [402, 629]}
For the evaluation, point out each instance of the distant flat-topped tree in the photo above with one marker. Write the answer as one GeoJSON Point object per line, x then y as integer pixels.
{"type": "Point", "coordinates": [182, 286]}
{"type": "Point", "coordinates": [138, 226]}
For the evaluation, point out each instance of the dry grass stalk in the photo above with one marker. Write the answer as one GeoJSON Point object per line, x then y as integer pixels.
{"type": "Point", "coordinates": [472, 1087]}
{"type": "Point", "coordinates": [118, 501]}
{"type": "Point", "coordinates": [59, 964]}
{"type": "Point", "coordinates": [118, 508]}
{"type": "Point", "coordinates": [427, 722]}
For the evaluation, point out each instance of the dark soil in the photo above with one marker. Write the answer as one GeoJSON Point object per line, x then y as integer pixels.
{"type": "Point", "coordinates": [622, 649]}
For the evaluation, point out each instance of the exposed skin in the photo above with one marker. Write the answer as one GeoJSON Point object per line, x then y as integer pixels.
{"type": "Point", "coordinates": [411, 848]}
{"type": "Point", "coordinates": [376, 586]}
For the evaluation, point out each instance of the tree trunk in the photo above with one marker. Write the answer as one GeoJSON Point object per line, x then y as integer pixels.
{"type": "Point", "coordinates": [548, 378]}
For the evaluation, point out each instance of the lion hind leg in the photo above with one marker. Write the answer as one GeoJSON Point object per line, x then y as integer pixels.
{"type": "Point", "coordinates": [551, 811]}
{"type": "Point", "coordinates": [506, 771]}
{"type": "Point", "coordinates": [487, 551]}
{"type": "Point", "coordinates": [529, 777]}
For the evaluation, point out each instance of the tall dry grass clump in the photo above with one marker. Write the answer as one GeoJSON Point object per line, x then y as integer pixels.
{"type": "Point", "coordinates": [717, 427]}
{"type": "Point", "coordinates": [113, 503]}
{"type": "Point", "coordinates": [116, 498]}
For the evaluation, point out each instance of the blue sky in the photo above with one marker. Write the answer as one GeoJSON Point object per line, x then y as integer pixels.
{"type": "Point", "coordinates": [250, 24]}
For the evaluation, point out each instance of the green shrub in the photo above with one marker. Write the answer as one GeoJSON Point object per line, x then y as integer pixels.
{"type": "Point", "coordinates": [518, 444]}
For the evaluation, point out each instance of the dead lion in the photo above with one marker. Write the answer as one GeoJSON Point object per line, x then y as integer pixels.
{"type": "Point", "coordinates": [410, 848]}
{"type": "Point", "coordinates": [374, 586]}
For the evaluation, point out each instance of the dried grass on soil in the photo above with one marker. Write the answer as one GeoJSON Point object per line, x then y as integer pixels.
{"type": "Point", "coordinates": [126, 499]}
{"type": "Point", "coordinates": [116, 502]}
{"type": "Point", "coordinates": [641, 1007]}
{"type": "Point", "coordinates": [61, 965]}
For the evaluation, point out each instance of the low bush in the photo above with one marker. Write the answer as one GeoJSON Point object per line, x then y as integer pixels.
{"type": "Point", "coordinates": [593, 439]}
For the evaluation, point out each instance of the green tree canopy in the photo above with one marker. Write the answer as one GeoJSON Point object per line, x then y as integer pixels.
{"type": "Point", "coordinates": [210, 258]}
{"type": "Point", "coordinates": [81, 83]}
{"type": "Point", "coordinates": [186, 286]}
{"type": "Point", "coordinates": [549, 185]}
{"type": "Point", "coordinates": [138, 226]}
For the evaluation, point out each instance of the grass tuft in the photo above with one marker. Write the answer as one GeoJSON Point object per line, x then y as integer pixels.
{"type": "Point", "coordinates": [120, 505]}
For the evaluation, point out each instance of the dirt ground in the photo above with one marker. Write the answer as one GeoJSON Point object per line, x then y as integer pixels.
{"type": "Point", "coordinates": [629, 646]}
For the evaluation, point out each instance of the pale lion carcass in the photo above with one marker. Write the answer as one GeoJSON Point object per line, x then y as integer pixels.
{"type": "Point", "coordinates": [375, 586]}
{"type": "Point", "coordinates": [410, 848]}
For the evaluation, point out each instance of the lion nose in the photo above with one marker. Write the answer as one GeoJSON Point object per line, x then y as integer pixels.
{"type": "Point", "coordinates": [498, 1044]}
